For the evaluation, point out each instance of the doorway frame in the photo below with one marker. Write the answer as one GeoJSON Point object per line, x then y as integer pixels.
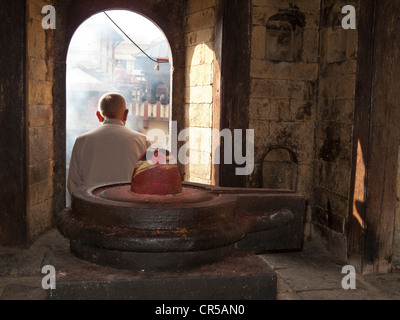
{"type": "Point", "coordinates": [70, 15]}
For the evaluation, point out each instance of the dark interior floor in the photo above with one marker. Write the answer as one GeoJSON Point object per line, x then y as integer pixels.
{"type": "Point", "coordinates": [312, 274]}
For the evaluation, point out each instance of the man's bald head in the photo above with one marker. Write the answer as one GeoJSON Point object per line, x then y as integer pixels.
{"type": "Point", "coordinates": [112, 106]}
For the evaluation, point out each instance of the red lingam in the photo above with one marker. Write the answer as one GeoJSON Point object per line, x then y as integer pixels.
{"type": "Point", "coordinates": [156, 179]}
{"type": "Point", "coordinates": [156, 175]}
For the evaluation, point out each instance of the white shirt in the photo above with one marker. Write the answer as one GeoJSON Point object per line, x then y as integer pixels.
{"type": "Point", "coordinates": [106, 154]}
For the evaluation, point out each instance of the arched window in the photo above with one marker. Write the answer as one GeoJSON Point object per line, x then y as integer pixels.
{"type": "Point", "coordinates": [279, 170]}
{"type": "Point", "coordinates": [117, 51]}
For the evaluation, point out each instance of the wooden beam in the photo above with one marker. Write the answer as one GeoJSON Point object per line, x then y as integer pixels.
{"type": "Point", "coordinates": [235, 84]}
{"type": "Point", "coordinates": [361, 134]}
{"type": "Point", "coordinates": [376, 137]}
{"type": "Point", "coordinates": [13, 150]}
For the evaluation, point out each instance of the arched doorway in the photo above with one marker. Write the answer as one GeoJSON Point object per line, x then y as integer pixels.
{"type": "Point", "coordinates": [117, 51]}
{"type": "Point", "coordinates": [69, 17]}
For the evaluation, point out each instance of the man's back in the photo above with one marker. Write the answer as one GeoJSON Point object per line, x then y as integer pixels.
{"type": "Point", "coordinates": [106, 154]}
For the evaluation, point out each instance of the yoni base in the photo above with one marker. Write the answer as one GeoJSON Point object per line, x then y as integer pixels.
{"type": "Point", "coordinates": [241, 276]}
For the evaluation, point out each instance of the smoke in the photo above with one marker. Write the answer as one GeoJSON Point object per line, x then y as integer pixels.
{"type": "Point", "coordinates": [101, 59]}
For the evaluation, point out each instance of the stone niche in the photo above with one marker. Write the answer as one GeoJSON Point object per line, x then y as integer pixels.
{"type": "Point", "coordinates": [338, 44]}
{"type": "Point", "coordinates": [284, 36]}
{"type": "Point", "coordinates": [279, 170]}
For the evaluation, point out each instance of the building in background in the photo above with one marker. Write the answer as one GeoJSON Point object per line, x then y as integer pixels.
{"type": "Point", "coordinates": [101, 60]}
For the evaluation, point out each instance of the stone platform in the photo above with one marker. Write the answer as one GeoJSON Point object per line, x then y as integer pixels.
{"type": "Point", "coordinates": [310, 274]}
{"type": "Point", "coordinates": [242, 276]}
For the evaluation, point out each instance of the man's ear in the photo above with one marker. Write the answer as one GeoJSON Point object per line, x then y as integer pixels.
{"type": "Point", "coordinates": [99, 116]}
{"type": "Point", "coordinates": [126, 114]}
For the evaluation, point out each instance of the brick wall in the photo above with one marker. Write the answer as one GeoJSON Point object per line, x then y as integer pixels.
{"type": "Point", "coordinates": [284, 73]}
{"type": "Point", "coordinates": [199, 44]}
{"type": "Point", "coordinates": [40, 118]}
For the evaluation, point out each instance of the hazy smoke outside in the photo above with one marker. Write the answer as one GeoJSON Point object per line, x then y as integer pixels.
{"type": "Point", "coordinates": [102, 59]}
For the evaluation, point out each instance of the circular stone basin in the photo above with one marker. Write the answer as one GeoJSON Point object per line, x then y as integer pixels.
{"type": "Point", "coordinates": [124, 194]}
{"type": "Point", "coordinates": [154, 223]}
{"type": "Point", "coordinates": [111, 225]}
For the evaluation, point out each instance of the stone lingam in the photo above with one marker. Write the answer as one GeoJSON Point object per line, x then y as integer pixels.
{"type": "Point", "coordinates": [157, 222]}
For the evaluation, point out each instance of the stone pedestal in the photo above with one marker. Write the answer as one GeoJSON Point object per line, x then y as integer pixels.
{"type": "Point", "coordinates": [242, 276]}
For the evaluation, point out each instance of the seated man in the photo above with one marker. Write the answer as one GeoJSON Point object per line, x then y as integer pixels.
{"type": "Point", "coordinates": [108, 153]}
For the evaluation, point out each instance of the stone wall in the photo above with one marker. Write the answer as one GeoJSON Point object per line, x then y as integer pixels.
{"type": "Point", "coordinates": [334, 128]}
{"type": "Point", "coordinates": [283, 95]}
{"type": "Point", "coordinates": [199, 44]}
{"type": "Point", "coordinates": [40, 120]}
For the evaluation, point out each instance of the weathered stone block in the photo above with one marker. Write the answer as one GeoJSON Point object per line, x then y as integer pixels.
{"type": "Point", "coordinates": [200, 75]}
{"type": "Point", "coordinates": [40, 192]}
{"type": "Point", "coordinates": [328, 219]}
{"type": "Point", "coordinates": [40, 145]}
{"type": "Point", "coordinates": [195, 179]}
{"type": "Point", "coordinates": [312, 18]}
{"type": "Point", "coordinates": [335, 242]}
{"type": "Point", "coordinates": [40, 115]}
{"type": "Point", "coordinates": [283, 4]}
{"type": "Point", "coordinates": [34, 8]}
{"type": "Point", "coordinates": [40, 69]}
{"type": "Point", "coordinates": [195, 55]}
{"type": "Point", "coordinates": [334, 142]}
{"type": "Point", "coordinates": [336, 44]}
{"type": "Point", "coordinates": [271, 3]}
{"type": "Point", "coordinates": [200, 20]}
{"type": "Point", "coordinates": [338, 87]}
{"type": "Point", "coordinates": [281, 110]}
{"type": "Point", "coordinates": [268, 88]}
{"type": "Point", "coordinates": [200, 139]}
{"type": "Point", "coordinates": [199, 37]}
{"type": "Point", "coordinates": [307, 4]}
{"type": "Point", "coordinates": [209, 54]}
{"type": "Point", "coordinates": [262, 14]}
{"type": "Point", "coordinates": [40, 92]}
{"type": "Point", "coordinates": [265, 69]}
{"type": "Point", "coordinates": [200, 171]}
{"type": "Point", "coordinates": [310, 45]}
{"type": "Point", "coordinates": [40, 218]}
{"type": "Point", "coordinates": [199, 94]}
{"type": "Point", "coordinates": [296, 136]}
{"type": "Point", "coordinates": [193, 6]}
{"type": "Point", "coordinates": [199, 54]}
{"type": "Point", "coordinates": [339, 68]}
{"type": "Point", "coordinates": [334, 177]}
{"type": "Point", "coordinates": [352, 44]}
{"type": "Point", "coordinates": [302, 110]}
{"type": "Point", "coordinates": [36, 39]}
{"type": "Point", "coordinates": [199, 115]}
{"type": "Point", "coordinates": [258, 42]}
{"type": "Point", "coordinates": [40, 172]}
{"type": "Point", "coordinates": [200, 158]}
{"type": "Point", "coordinates": [259, 109]}
{"type": "Point", "coordinates": [304, 183]}
{"type": "Point", "coordinates": [332, 202]}
{"type": "Point", "coordinates": [261, 137]}
{"type": "Point", "coordinates": [279, 171]}
{"type": "Point", "coordinates": [340, 111]}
